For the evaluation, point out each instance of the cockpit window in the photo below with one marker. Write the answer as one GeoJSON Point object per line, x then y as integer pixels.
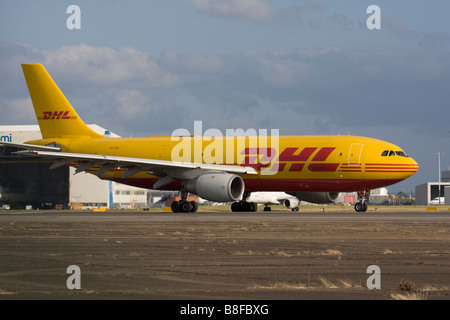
{"type": "Point", "coordinates": [400, 154]}
{"type": "Point", "coordinates": [391, 153]}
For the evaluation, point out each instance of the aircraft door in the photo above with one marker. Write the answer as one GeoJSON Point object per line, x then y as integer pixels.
{"type": "Point", "coordinates": [354, 154]}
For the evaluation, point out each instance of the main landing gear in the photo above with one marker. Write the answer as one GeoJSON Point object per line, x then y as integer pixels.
{"type": "Point", "coordinates": [183, 205]}
{"type": "Point", "coordinates": [361, 205]}
{"type": "Point", "coordinates": [244, 206]}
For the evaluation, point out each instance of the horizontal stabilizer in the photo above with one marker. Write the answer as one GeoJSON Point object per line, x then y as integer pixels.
{"type": "Point", "coordinates": [29, 146]}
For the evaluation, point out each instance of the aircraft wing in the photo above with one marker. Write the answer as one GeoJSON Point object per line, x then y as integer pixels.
{"type": "Point", "coordinates": [29, 146]}
{"type": "Point", "coordinates": [167, 170]}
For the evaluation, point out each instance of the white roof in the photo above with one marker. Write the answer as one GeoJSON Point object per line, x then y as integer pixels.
{"type": "Point", "coordinates": [35, 128]}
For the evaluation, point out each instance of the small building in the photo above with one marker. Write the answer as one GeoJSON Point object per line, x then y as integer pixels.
{"type": "Point", "coordinates": [430, 190]}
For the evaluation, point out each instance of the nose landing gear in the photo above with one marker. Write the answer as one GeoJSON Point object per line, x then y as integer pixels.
{"type": "Point", "coordinates": [361, 205]}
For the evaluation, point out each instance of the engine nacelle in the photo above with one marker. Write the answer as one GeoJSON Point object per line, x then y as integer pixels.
{"type": "Point", "coordinates": [220, 187]}
{"type": "Point", "coordinates": [291, 203]}
{"type": "Point", "coordinates": [318, 197]}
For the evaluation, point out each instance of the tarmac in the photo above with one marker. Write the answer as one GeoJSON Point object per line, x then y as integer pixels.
{"type": "Point", "coordinates": [225, 256]}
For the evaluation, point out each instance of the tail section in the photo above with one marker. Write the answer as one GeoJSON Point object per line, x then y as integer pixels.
{"type": "Point", "coordinates": [55, 115]}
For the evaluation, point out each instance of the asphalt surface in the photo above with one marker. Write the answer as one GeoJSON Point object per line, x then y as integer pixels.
{"type": "Point", "coordinates": [224, 255]}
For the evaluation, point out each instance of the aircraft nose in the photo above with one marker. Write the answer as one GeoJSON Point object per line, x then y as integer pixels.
{"type": "Point", "coordinates": [413, 166]}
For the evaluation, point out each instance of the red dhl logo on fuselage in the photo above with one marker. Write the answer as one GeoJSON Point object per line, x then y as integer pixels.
{"type": "Point", "coordinates": [288, 155]}
{"type": "Point", "coordinates": [56, 115]}
{"type": "Point", "coordinates": [259, 158]}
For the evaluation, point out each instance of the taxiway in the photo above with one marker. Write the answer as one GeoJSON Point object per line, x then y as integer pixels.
{"type": "Point", "coordinates": [222, 255]}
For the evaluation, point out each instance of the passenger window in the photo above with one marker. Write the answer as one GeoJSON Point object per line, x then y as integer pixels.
{"type": "Point", "coordinates": [384, 153]}
{"type": "Point", "coordinates": [391, 153]}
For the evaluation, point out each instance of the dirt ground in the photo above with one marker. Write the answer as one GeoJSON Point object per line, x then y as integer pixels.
{"type": "Point", "coordinates": [233, 256]}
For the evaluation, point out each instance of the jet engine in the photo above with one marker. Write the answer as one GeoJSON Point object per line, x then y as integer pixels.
{"type": "Point", "coordinates": [317, 197]}
{"type": "Point", "coordinates": [220, 187]}
{"type": "Point", "coordinates": [291, 203]}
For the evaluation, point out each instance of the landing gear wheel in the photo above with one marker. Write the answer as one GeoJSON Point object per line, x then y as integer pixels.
{"type": "Point", "coordinates": [244, 206]}
{"type": "Point", "coordinates": [185, 206]}
{"type": "Point", "coordinates": [175, 206]}
{"type": "Point", "coordinates": [194, 206]}
{"type": "Point", "coordinates": [360, 207]}
{"type": "Point", "coordinates": [364, 207]}
{"type": "Point", "coordinates": [235, 206]}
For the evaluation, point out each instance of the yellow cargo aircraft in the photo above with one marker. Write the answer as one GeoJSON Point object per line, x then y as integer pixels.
{"type": "Point", "coordinates": [222, 169]}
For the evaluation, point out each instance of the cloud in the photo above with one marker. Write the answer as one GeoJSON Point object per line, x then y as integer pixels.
{"type": "Point", "coordinates": [396, 26]}
{"type": "Point", "coordinates": [308, 14]}
{"type": "Point", "coordinates": [16, 111]}
{"type": "Point", "coordinates": [435, 40]}
{"type": "Point", "coordinates": [314, 16]}
{"type": "Point", "coordinates": [106, 84]}
{"type": "Point", "coordinates": [106, 66]}
{"type": "Point", "coordinates": [333, 88]}
{"type": "Point", "coordinates": [192, 63]}
{"type": "Point", "coordinates": [128, 103]}
{"type": "Point", "coordinates": [11, 57]}
{"type": "Point", "coordinates": [282, 70]}
{"type": "Point", "coordinates": [258, 10]}
{"type": "Point", "coordinates": [394, 94]}
{"type": "Point", "coordinates": [340, 20]}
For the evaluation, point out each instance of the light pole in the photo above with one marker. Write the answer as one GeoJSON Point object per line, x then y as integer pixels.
{"type": "Point", "coordinates": [439, 176]}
